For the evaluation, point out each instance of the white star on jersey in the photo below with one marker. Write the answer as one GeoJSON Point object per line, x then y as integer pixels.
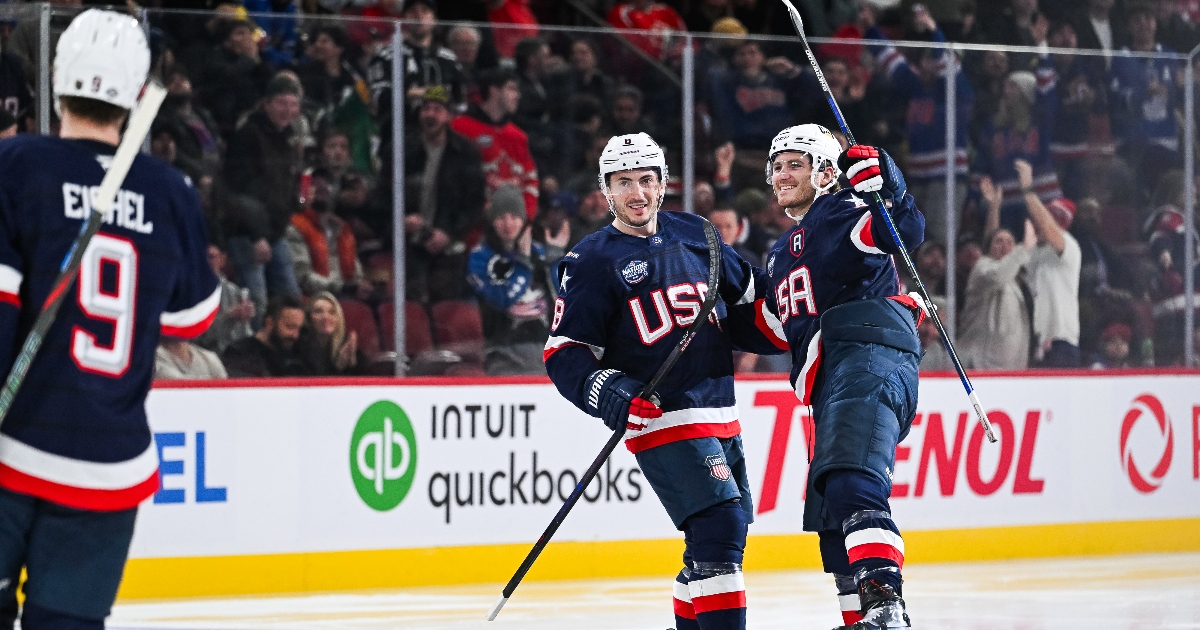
{"type": "Point", "coordinates": [858, 203]}
{"type": "Point", "coordinates": [562, 286]}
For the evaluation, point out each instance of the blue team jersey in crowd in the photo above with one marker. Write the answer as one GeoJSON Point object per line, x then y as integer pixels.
{"type": "Point", "coordinates": [77, 433]}
{"type": "Point", "coordinates": [625, 301]}
{"type": "Point", "coordinates": [840, 252]}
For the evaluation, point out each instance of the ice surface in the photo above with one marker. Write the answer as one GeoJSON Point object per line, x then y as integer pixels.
{"type": "Point", "coordinates": [1114, 593]}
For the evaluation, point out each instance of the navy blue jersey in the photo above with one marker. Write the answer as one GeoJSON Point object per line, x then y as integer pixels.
{"type": "Point", "coordinates": [841, 251]}
{"type": "Point", "coordinates": [77, 433]}
{"type": "Point", "coordinates": [625, 301]}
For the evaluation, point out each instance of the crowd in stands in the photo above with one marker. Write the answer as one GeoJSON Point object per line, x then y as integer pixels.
{"type": "Point", "coordinates": [1067, 169]}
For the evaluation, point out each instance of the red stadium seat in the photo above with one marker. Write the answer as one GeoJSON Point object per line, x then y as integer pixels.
{"type": "Point", "coordinates": [458, 327]}
{"type": "Point", "coordinates": [417, 336]}
{"type": "Point", "coordinates": [361, 320]}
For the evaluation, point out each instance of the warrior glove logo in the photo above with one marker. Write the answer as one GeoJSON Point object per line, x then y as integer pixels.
{"type": "Point", "coordinates": [636, 271]}
{"type": "Point", "coordinates": [383, 455]}
{"type": "Point", "coordinates": [1146, 405]}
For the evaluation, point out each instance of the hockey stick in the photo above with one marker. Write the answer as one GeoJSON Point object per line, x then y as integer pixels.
{"type": "Point", "coordinates": [106, 194]}
{"type": "Point", "coordinates": [710, 300]}
{"type": "Point", "coordinates": [891, 226]}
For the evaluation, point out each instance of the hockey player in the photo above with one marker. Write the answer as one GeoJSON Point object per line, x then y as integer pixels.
{"type": "Point", "coordinates": [76, 453]}
{"type": "Point", "coordinates": [626, 292]}
{"type": "Point", "coordinates": [854, 354]}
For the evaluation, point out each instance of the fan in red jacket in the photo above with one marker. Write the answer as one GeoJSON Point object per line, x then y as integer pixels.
{"type": "Point", "coordinates": [647, 15]}
{"type": "Point", "coordinates": [504, 147]}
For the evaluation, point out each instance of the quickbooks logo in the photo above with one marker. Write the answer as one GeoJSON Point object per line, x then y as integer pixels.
{"type": "Point", "coordinates": [383, 455]}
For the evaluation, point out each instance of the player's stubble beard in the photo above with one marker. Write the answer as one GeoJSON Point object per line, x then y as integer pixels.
{"type": "Point", "coordinates": [803, 196]}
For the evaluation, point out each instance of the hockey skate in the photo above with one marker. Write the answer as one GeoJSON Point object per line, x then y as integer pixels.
{"type": "Point", "coordinates": [882, 608]}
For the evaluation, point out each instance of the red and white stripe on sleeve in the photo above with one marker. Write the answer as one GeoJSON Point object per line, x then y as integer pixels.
{"type": "Point", "coordinates": [862, 237]}
{"type": "Point", "coordinates": [10, 286]}
{"type": "Point", "coordinates": [554, 344]}
{"type": "Point", "coordinates": [191, 322]}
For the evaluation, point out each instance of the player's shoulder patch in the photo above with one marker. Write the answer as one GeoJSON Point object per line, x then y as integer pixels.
{"type": "Point", "coordinates": [635, 271]}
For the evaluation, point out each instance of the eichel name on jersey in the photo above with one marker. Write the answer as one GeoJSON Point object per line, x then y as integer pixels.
{"type": "Point", "coordinates": [624, 301]}
{"type": "Point", "coordinates": [840, 252]}
{"type": "Point", "coordinates": [77, 434]}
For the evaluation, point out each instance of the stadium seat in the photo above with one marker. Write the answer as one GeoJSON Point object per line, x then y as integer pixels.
{"type": "Point", "coordinates": [458, 327]}
{"type": "Point", "coordinates": [361, 320]}
{"type": "Point", "coordinates": [417, 336]}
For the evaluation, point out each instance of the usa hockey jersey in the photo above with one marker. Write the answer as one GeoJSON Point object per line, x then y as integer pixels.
{"type": "Point", "coordinates": [76, 434]}
{"type": "Point", "coordinates": [838, 253]}
{"type": "Point", "coordinates": [625, 301]}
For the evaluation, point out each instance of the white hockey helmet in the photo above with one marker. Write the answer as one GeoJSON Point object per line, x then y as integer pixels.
{"type": "Point", "coordinates": [102, 55]}
{"type": "Point", "coordinates": [812, 139]}
{"type": "Point", "coordinates": [630, 151]}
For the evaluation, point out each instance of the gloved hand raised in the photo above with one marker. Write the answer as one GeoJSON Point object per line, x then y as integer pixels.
{"type": "Point", "coordinates": [871, 169]}
{"type": "Point", "coordinates": [613, 397]}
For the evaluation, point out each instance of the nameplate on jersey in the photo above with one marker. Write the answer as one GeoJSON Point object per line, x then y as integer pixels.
{"type": "Point", "coordinates": [128, 209]}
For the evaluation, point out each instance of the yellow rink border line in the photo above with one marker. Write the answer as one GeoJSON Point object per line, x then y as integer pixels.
{"type": "Point", "coordinates": [160, 578]}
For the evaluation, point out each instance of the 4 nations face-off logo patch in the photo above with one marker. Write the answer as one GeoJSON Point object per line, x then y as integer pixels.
{"type": "Point", "coordinates": [636, 271]}
{"type": "Point", "coordinates": [718, 468]}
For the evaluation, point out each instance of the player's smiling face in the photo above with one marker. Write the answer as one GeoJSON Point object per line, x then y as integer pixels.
{"type": "Point", "coordinates": [791, 179]}
{"type": "Point", "coordinates": [635, 195]}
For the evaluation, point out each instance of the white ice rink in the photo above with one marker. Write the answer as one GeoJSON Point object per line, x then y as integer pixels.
{"type": "Point", "coordinates": [1104, 593]}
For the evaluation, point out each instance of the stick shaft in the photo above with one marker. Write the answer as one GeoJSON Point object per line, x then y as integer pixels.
{"type": "Point", "coordinates": [131, 143]}
{"type": "Point", "coordinates": [891, 226]}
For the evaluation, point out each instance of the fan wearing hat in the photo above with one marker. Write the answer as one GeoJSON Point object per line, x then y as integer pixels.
{"type": "Point", "coordinates": [1053, 269]}
{"type": "Point", "coordinates": [511, 276]}
{"type": "Point", "coordinates": [1114, 347]}
{"type": "Point", "coordinates": [425, 63]}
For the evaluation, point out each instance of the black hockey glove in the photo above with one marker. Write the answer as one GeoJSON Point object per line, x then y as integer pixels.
{"type": "Point", "coordinates": [613, 397]}
{"type": "Point", "coordinates": [871, 169]}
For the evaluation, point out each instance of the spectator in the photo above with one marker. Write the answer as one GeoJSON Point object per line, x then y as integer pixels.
{"type": "Point", "coordinates": [177, 359]}
{"type": "Point", "coordinates": [1167, 244]}
{"type": "Point", "coordinates": [162, 145]}
{"type": "Point", "coordinates": [511, 275]}
{"type": "Point", "coordinates": [864, 105]}
{"type": "Point", "coordinates": [1108, 288]}
{"type": "Point", "coordinates": [930, 259]}
{"type": "Point", "coordinates": [277, 19]}
{"type": "Point", "coordinates": [322, 245]}
{"type": "Point", "coordinates": [1174, 31]}
{"type": "Point", "coordinates": [626, 112]}
{"type": "Point", "coordinates": [924, 88]}
{"type": "Point", "coordinates": [262, 167]}
{"type": "Point", "coordinates": [703, 14]}
{"type": "Point", "coordinates": [272, 350]}
{"type": "Point", "coordinates": [994, 329]}
{"type": "Point", "coordinates": [514, 22]}
{"type": "Point", "coordinates": [1015, 25]}
{"type": "Point", "coordinates": [966, 255]}
{"type": "Point", "coordinates": [543, 100]}
{"type": "Point", "coordinates": [24, 41]}
{"type": "Point", "coordinates": [324, 345]}
{"type": "Point", "coordinates": [1097, 28]}
{"type": "Point", "coordinates": [1114, 348]}
{"type": "Point", "coordinates": [234, 75]}
{"type": "Point", "coordinates": [729, 226]}
{"type": "Point", "coordinates": [465, 41]}
{"type": "Point", "coordinates": [16, 95]}
{"type": "Point", "coordinates": [335, 155]}
{"type": "Point", "coordinates": [425, 64]}
{"type": "Point", "coordinates": [586, 75]}
{"type": "Point", "coordinates": [233, 318]}
{"type": "Point", "coordinates": [585, 180]}
{"type": "Point", "coordinates": [197, 145]}
{"type": "Point", "coordinates": [503, 146]}
{"type": "Point", "coordinates": [1083, 91]}
{"type": "Point", "coordinates": [594, 214]}
{"type": "Point", "coordinates": [934, 357]}
{"type": "Point", "coordinates": [756, 99]}
{"type": "Point", "coordinates": [8, 125]}
{"type": "Point", "coordinates": [1145, 96]}
{"type": "Point", "coordinates": [1021, 130]}
{"type": "Point", "coordinates": [328, 79]}
{"type": "Point", "coordinates": [445, 200]}
{"type": "Point", "coordinates": [660, 20]}
{"type": "Point", "coordinates": [1054, 277]}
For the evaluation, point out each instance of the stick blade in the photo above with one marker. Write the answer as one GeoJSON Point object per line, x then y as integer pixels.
{"type": "Point", "coordinates": [491, 616]}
